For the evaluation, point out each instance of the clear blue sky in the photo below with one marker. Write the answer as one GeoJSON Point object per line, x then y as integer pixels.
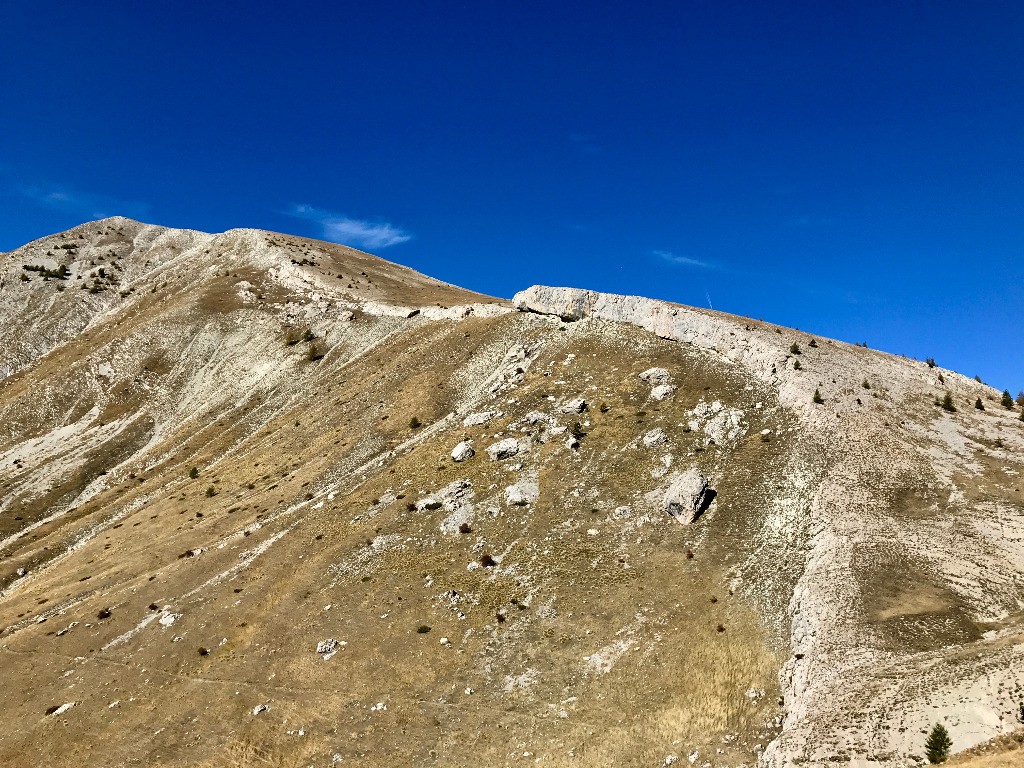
{"type": "Point", "coordinates": [854, 169]}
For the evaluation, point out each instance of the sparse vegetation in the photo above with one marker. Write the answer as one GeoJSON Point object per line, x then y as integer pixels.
{"type": "Point", "coordinates": [794, 348]}
{"type": "Point", "coordinates": [576, 430]}
{"type": "Point", "coordinates": [937, 745]}
{"type": "Point", "coordinates": [979, 405]}
{"type": "Point", "coordinates": [193, 473]}
{"type": "Point", "coordinates": [415, 423]}
{"type": "Point", "coordinates": [422, 629]}
{"type": "Point", "coordinates": [947, 403]}
{"type": "Point", "coordinates": [817, 397]}
{"type": "Point", "coordinates": [211, 492]}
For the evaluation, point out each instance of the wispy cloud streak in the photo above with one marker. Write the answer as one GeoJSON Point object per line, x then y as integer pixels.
{"type": "Point", "coordinates": [348, 231]}
{"type": "Point", "coordinates": [83, 203]}
{"type": "Point", "coordinates": [672, 258]}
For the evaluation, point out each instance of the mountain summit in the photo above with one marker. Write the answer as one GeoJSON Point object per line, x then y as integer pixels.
{"type": "Point", "coordinates": [266, 500]}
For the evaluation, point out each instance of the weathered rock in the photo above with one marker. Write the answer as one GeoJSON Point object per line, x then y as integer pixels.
{"type": "Point", "coordinates": [330, 645]}
{"type": "Point", "coordinates": [475, 419]}
{"type": "Point", "coordinates": [687, 496]}
{"type": "Point", "coordinates": [662, 391]}
{"type": "Point", "coordinates": [463, 451]}
{"type": "Point", "coordinates": [576, 405]}
{"type": "Point", "coordinates": [522, 493]}
{"type": "Point", "coordinates": [656, 436]}
{"type": "Point", "coordinates": [503, 449]}
{"type": "Point", "coordinates": [656, 376]}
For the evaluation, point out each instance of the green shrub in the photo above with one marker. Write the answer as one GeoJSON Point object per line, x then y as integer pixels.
{"type": "Point", "coordinates": [576, 430]}
{"type": "Point", "coordinates": [947, 403]}
{"type": "Point", "coordinates": [415, 423]}
{"type": "Point", "coordinates": [794, 348]}
{"type": "Point", "coordinates": [1020, 398]}
{"type": "Point", "coordinates": [936, 746]}
{"type": "Point", "coordinates": [930, 362]}
{"type": "Point", "coordinates": [865, 384]}
{"type": "Point", "coordinates": [979, 405]}
{"type": "Point", "coordinates": [193, 473]}
{"type": "Point", "coordinates": [818, 398]}
{"type": "Point", "coordinates": [211, 492]}
{"type": "Point", "coordinates": [1007, 400]}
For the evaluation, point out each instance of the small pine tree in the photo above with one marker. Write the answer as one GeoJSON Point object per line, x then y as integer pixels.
{"type": "Point", "coordinates": [936, 746]}
{"type": "Point", "coordinates": [942, 379]}
{"type": "Point", "coordinates": [414, 423]}
{"type": "Point", "coordinates": [1022, 415]}
{"type": "Point", "coordinates": [211, 492]}
{"type": "Point", "coordinates": [818, 398]}
{"type": "Point", "coordinates": [1020, 398]}
{"type": "Point", "coordinates": [1007, 400]}
{"type": "Point", "coordinates": [193, 473]}
{"type": "Point", "coordinates": [576, 430]}
{"type": "Point", "coordinates": [978, 379]}
{"type": "Point", "coordinates": [930, 362]}
{"type": "Point", "coordinates": [947, 403]}
{"type": "Point", "coordinates": [796, 365]}
{"type": "Point", "coordinates": [979, 405]}
{"type": "Point", "coordinates": [795, 348]}
{"type": "Point", "coordinates": [812, 343]}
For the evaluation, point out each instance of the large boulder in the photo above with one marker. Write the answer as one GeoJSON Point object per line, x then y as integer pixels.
{"type": "Point", "coordinates": [688, 496]}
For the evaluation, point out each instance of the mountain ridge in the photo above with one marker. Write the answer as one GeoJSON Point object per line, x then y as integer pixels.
{"type": "Point", "coordinates": [848, 575]}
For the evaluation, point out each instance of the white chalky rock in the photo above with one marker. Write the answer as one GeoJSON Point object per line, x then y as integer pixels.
{"type": "Point", "coordinates": [463, 451]}
{"type": "Point", "coordinates": [686, 495]}
{"type": "Point", "coordinates": [483, 417]}
{"type": "Point", "coordinates": [327, 646]}
{"type": "Point", "coordinates": [260, 708]}
{"type": "Point", "coordinates": [522, 493]}
{"type": "Point", "coordinates": [576, 405]}
{"type": "Point", "coordinates": [656, 436]}
{"type": "Point", "coordinates": [623, 512]}
{"type": "Point", "coordinates": [535, 417]}
{"type": "Point", "coordinates": [503, 449]}
{"type": "Point", "coordinates": [662, 391]}
{"type": "Point", "coordinates": [656, 376]}
{"type": "Point", "coordinates": [63, 708]}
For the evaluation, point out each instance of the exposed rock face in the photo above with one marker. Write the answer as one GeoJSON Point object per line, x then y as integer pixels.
{"type": "Point", "coordinates": [687, 496]}
{"type": "Point", "coordinates": [656, 436]}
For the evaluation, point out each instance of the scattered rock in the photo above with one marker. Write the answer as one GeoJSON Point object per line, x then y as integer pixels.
{"type": "Point", "coordinates": [330, 645]}
{"type": "Point", "coordinates": [482, 417]}
{"type": "Point", "coordinates": [463, 451]}
{"type": "Point", "coordinates": [522, 493]}
{"type": "Point", "coordinates": [688, 496]}
{"type": "Point", "coordinates": [503, 449]}
{"type": "Point", "coordinates": [21, 572]}
{"type": "Point", "coordinates": [576, 405]}
{"type": "Point", "coordinates": [260, 708]}
{"type": "Point", "coordinates": [656, 436]}
{"type": "Point", "coordinates": [662, 391]}
{"type": "Point", "coordinates": [656, 376]}
{"type": "Point", "coordinates": [54, 711]}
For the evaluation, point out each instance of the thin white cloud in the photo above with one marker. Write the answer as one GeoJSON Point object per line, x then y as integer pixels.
{"type": "Point", "coordinates": [84, 204]}
{"type": "Point", "coordinates": [349, 231]}
{"type": "Point", "coordinates": [672, 258]}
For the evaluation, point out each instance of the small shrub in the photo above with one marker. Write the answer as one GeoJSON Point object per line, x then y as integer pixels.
{"type": "Point", "coordinates": [465, 528]}
{"type": "Point", "coordinates": [936, 746]}
{"type": "Point", "coordinates": [818, 398]}
{"type": "Point", "coordinates": [106, 613]}
{"type": "Point", "coordinates": [1020, 398]}
{"type": "Point", "coordinates": [204, 651]}
{"type": "Point", "coordinates": [978, 379]}
{"type": "Point", "coordinates": [422, 629]}
{"type": "Point", "coordinates": [415, 423]}
{"type": "Point", "coordinates": [796, 365]}
{"type": "Point", "coordinates": [1007, 400]}
{"type": "Point", "coordinates": [812, 343]}
{"type": "Point", "coordinates": [308, 335]}
{"type": "Point", "coordinates": [211, 492]}
{"type": "Point", "coordinates": [865, 384]}
{"type": "Point", "coordinates": [942, 379]}
{"type": "Point", "coordinates": [947, 403]}
{"type": "Point", "coordinates": [487, 561]}
{"type": "Point", "coordinates": [193, 473]}
{"type": "Point", "coordinates": [576, 430]}
{"type": "Point", "coordinates": [979, 405]}
{"type": "Point", "coordinates": [604, 407]}
{"type": "Point", "coordinates": [315, 353]}
{"type": "Point", "coordinates": [795, 348]}
{"type": "Point", "coordinates": [930, 362]}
